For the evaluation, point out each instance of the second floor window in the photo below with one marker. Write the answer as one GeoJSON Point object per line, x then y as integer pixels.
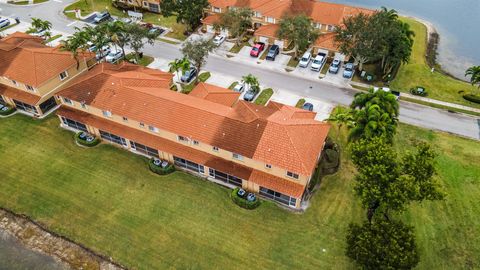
{"type": "Point", "coordinates": [29, 87]}
{"type": "Point", "coordinates": [107, 113]}
{"type": "Point", "coordinates": [63, 75]}
{"type": "Point", "coordinates": [125, 119]}
{"type": "Point", "coordinates": [14, 82]}
{"type": "Point", "coordinates": [152, 129]}
{"type": "Point", "coordinates": [195, 142]}
{"type": "Point", "coordinates": [268, 166]}
{"type": "Point", "coordinates": [258, 14]}
{"type": "Point", "coordinates": [182, 138]}
{"type": "Point", "coordinates": [215, 149]}
{"type": "Point", "coordinates": [270, 20]}
{"type": "Point", "coordinates": [237, 156]}
{"type": "Point", "coordinates": [217, 10]}
{"type": "Point", "coordinates": [67, 101]}
{"type": "Point", "coordinates": [292, 175]}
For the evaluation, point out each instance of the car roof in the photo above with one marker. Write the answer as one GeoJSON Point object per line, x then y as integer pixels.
{"type": "Point", "coordinates": [306, 54]}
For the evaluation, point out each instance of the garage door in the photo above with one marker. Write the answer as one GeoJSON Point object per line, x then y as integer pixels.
{"type": "Point", "coordinates": [263, 39]}
{"type": "Point", "coordinates": [279, 43]}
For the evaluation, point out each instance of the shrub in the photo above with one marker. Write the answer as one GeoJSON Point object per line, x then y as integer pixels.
{"type": "Point", "coordinates": [9, 111]}
{"type": "Point", "coordinates": [85, 142]}
{"type": "Point", "coordinates": [472, 98]}
{"type": "Point", "coordinates": [159, 170]}
{"type": "Point", "coordinates": [203, 77]}
{"type": "Point", "coordinates": [418, 91]}
{"type": "Point", "coordinates": [332, 159]}
{"type": "Point", "coordinates": [242, 201]}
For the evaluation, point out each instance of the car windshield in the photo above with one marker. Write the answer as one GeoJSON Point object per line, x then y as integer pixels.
{"type": "Point", "coordinates": [335, 64]}
{"type": "Point", "coordinates": [316, 61]}
{"type": "Point", "coordinates": [255, 49]}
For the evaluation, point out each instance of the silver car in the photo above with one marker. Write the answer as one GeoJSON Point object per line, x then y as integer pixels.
{"type": "Point", "coordinates": [4, 22]}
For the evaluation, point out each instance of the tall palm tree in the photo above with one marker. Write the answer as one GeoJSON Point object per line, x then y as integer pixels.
{"type": "Point", "coordinates": [74, 44]}
{"type": "Point", "coordinates": [97, 37]}
{"type": "Point", "coordinates": [474, 73]}
{"type": "Point", "coordinates": [114, 30]}
{"type": "Point", "coordinates": [341, 117]}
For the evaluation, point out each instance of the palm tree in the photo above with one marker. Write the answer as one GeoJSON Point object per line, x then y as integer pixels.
{"type": "Point", "coordinates": [97, 37]}
{"type": "Point", "coordinates": [114, 30]}
{"type": "Point", "coordinates": [179, 64]}
{"type": "Point", "coordinates": [39, 25]}
{"type": "Point", "coordinates": [474, 73]}
{"type": "Point", "coordinates": [251, 81]}
{"type": "Point", "coordinates": [74, 44]}
{"type": "Point", "coordinates": [341, 117]}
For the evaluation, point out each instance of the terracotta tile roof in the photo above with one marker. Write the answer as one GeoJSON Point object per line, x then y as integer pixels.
{"type": "Point", "coordinates": [27, 60]}
{"type": "Point", "coordinates": [164, 145]}
{"type": "Point", "coordinates": [19, 95]}
{"type": "Point", "coordinates": [268, 30]}
{"type": "Point", "coordinates": [276, 183]}
{"type": "Point", "coordinates": [211, 19]}
{"type": "Point", "coordinates": [326, 41]}
{"type": "Point", "coordinates": [215, 94]}
{"type": "Point", "coordinates": [333, 14]}
{"type": "Point", "coordinates": [258, 132]}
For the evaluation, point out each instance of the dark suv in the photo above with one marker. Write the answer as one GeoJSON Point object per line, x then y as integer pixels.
{"type": "Point", "coordinates": [273, 52]}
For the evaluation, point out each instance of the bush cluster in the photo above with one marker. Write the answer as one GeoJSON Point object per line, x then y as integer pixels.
{"type": "Point", "coordinates": [159, 170]}
{"type": "Point", "coordinates": [7, 112]}
{"type": "Point", "coordinates": [472, 98]}
{"type": "Point", "coordinates": [84, 142]}
{"type": "Point", "coordinates": [242, 201]}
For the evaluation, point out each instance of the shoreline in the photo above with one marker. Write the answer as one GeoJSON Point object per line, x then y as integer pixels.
{"type": "Point", "coordinates": [36, 237]}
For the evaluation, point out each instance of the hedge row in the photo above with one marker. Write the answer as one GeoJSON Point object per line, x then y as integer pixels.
{"type": "Point", "coordinates": [84, 142]}
{"type": "Point", "coordinates": [472, 98]}
{"type": "Point", "coordinates": [159, 170]}
{"type": "Point", "coordinates": [243, 202]}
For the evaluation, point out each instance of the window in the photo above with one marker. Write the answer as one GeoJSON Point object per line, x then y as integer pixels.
{"type": "Point", "coordinates": [74, 124]}
{"type": "Point", "coordinates": [47, 105]}
{"type": "Point", "coordinates": [237, 156]}
{"type": "Point", "coordinates": [142, 125]}
{"type": "Point", "coordinates": [25, 107]}
{"type": "Point", "coordinates": [63, 75]}
{"type": "Point", "coordinates": [149, 151]}
{"type": "Point", "coordinates": [67, 101]}
{"type": "Point", "coordinates": [224, 177]}
{"type": "Point", "coordinates": [107, 113]}
{"type": "Point", "coordinates": [330, 28]}
{"type": "Point", "coordinates": [215, 149]}
{"type": "Point", "coordinates": [257, 14]}
{"type": "Point", "coordinates": [277, 196]}
{"type": "Point", "coordinates": [268, 166]}
{"type": "Point", "coordinates": [29, 88]}
{"type": "Point", "coordinates": [270, 20]}
{"type": "Point", "coordinates": [125, 119]}
{"type": "Point", "coordinates": [145, 3]}
{"type": "Point", "coordinates": [318, 25]}
{"type": "Point", "coordinates": [216, 10]}
{"type": "Point", "coordinates": [195, 142]}
{"type": "Point", "coordinates": [14, 82]}
{"type": "Point", "coordinates": [152, 129]}
{"type": "Point", "coordinates": [292, 175]}
{"type": "Point", "coordinates": [192, 166]}
{"type": "Point", "coordinates": [130, 1]}
{"type": "Point", "coordinates": [84, 106]}
{"type": "Point", "coordinates": [182, 139]}
{"type": "Point", "coordinates": [113, 138]}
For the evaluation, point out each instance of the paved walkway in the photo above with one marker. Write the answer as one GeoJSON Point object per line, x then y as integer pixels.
{"type": "Point", "coordinates": [429, 100]}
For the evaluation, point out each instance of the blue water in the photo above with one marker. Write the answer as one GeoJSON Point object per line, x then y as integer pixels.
{"type": "Point", "coordinates": [457, 22]}
{"type": "Point", "coordinates": [14, 256]}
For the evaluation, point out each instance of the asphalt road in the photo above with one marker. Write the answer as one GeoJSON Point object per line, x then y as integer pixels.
{"type": "Point", "coordinates": [410, 113]}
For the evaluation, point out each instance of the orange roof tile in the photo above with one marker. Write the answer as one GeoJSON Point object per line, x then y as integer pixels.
{"type": "Point", "coordinates": [19, 95]}
{"type": "Point", "coordinates": [258, 132]}
{"type": "Point", "coordinates": [215, 94]}
{"type": "Point", "coordinates": [211, 19]}
{"type": "Point", "coordinates": [268, 30]}
{"type": "Point", "coordinates": [27, 60]}
{"type": "Point", "coordinates": [276, 183]}
{"type": "Point", "coordinates": [326, 41]}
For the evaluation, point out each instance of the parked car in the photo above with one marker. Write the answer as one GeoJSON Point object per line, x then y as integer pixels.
{"type": "Point", "coordinates": [114, 56]}
{"type": "Point", "coordinates": [4, 22]}
{"type": "Point", "coordinates": [219, 39]}
{"type": "Point", "coordinates": [349, 70]}
{"type": "Point", "coordinates": [156, 31]}
{"type": "Point", "coordinates": [251, 93]}
{"type": "Point", "coordinates": [126, 20]}
{"type": "Point", "coordinates": [40, 33]}
{"type": "Point", "coordinates": [273, 52]}
{"type": "Point", "coordinates": [101, 53]}
{"type": "Point", "coordinates": [239, 87]}
{"type": "Point", "coordinates": [334, 66]}
{"type": "Point", "coordinates": [102, 16]}
{"type": "Point", "coordinates": [308, 106]}
{"type": "Point", "coordinates": [318, 61]}
{"type": "Point", "coordinates": [257, 49]}
{"type": "Point", "coordinates": [305, 60]}
{"type": "Point", "coordinates": [189, 75]}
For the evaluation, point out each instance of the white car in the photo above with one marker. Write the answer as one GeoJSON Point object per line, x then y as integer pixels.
{"type": "Point", "coordinates": [4, 22]}
{"type": "Point", "coordinates": [318, 62]}
{"type": "Point", "coordinates": [239, 87]}
{"type": "Point", "coordinates": [100, 53]}
{"type": "Point", "coordinates": [219, 39]}
{"type": "Point", "coordinates": [114, 56]}
{"type": "Point", "coordinates": [305, 60]}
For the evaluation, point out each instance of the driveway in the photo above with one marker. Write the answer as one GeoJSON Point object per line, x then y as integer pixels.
{"type": "Point", "coordinates": [306, 72]}
{"type": "Point", "coordinates": [280, 62]}
{"type": "Point", "coordinates": [322, 108]}
{"type": "Point", "coordinates": [221, 80]}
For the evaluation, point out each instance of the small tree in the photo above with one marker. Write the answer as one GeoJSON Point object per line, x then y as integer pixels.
{"type": "Point", "coordinates": [137, 35]}
{"type": "Point", "coordinates": [341, 117]}
{"type": "Point", "coordinates": [251, 81]}
{"type": "Point", "coordinates": [197, 52]}
{"type": "Point", "coordinates": [39, 25]}
{"type": "Point", "coordinates": [382, 245]}
{"type": "Point", "coordinates": [179, 65]}
{"type": "Point", "coordinates": [299, 30]}
{"type": "Point", "coordinates": [236, 21]}
{"type": "Point", "coordinates": [474, 73]}
{"type": "Point", "coordinates": [189, 12]}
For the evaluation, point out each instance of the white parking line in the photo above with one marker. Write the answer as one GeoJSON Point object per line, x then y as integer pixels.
{"type": "Point", "coordinates": [72, 23]}
{"type": "Point", "coordinates": [58, 1]}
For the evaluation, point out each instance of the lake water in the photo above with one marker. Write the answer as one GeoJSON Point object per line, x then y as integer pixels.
{"type": "Point", "coordinates": [457, 22]}
{"type": "Point", "coordinates": [14, 256]}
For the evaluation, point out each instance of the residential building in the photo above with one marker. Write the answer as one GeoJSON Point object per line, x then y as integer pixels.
{"type": "Point", "coordinates": [325, 16]}
{"type": "Point", "coordinates": [31, 73]}
{"type": "Point", "coordinates": [149, 5]}
{"type": "Point", "coordinates": [272, 150]}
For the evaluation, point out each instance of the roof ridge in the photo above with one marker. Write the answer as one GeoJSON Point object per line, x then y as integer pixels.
{"type": "Point", "coordinates": [294, 147]}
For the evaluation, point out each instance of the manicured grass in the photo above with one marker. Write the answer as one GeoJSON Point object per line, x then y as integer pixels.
{"type": "Point", "coordinates": [203, 77]}
{"type": "Point", "coordinates": [107, 199]}
{"type": "Point", "coordinates": [417, 72]}
{"type": "Point", "coordinates": [233, 85]}
{"type": "Point", "coordinates": [168, 41]}
{"type": "Point", "coordinates": [21, 3]}
{"type": "Point", "coordinates": [144, 61]}
{"type": "Point", "coordinates": [293, 62]}
{"type": "Point", "coordinates": [264, 96]}
{"type": "Point", "coordinates": [236, 48]}
{"type": "Point", "coordinates": [10, 26]}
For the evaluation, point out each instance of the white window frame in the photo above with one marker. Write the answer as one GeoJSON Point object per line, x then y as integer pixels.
{"type": "Point", "coordinates": [237, 156]}
{"type": "Point", "coordinates": [107, 113]}
{"type": "Point", "coordinates": [217, 10]}
{"type": "Point", "coordinates": [84, 106]}
{"type": "Point", "coordinates": [14, 82]}
{"type": "Point", "coordinates": [67, 101]}
{"type": "Point", "coordinates": [30, 88]}
{"type": "Point", "coordinates": [145, 3]}
{"type": "Point", "coordinates": [270, 20]}
{"type": "Point", "coordinates": [258, 14]}
{"type": "Point", "coordinates": [64, 76]}
{"type": "Point", "coordinates": [292, 175]}
{"type": "Point", "coordinates": [141, 124]}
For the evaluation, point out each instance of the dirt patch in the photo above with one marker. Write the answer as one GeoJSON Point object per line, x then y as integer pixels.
{"type": "Point", "coordinates": [36, 237]}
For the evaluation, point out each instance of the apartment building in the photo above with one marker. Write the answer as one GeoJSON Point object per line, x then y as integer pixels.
{"type": "Point", "coordinates": [272, 150]}
{"type": "Point", "coordinates": [31, 73]}
{"type": "Point", "coordinates": [268, 13]}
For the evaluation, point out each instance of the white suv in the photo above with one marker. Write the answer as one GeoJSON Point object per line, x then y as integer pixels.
{"type": "Point", "coordinates": [305, 60]}
{"type": "Point", "coordinates": [318, 62]}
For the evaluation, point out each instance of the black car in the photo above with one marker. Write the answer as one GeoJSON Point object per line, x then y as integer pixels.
{"type": "Point", "coordinates": [273, 52]}
{"type": "Point", "coordinates": [308, 106]}
{"type": "Point", "coordinates": [189, 75]}
{"type": "Point", "coordinates": [251, 93]}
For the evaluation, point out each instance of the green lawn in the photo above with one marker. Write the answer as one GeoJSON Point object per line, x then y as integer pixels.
{"type": "Point", "coordinates": [264, 96]}
{"type": "Point", "coordinates": [144, 61]}
{"type": "Point", "coordinates": [417, 72]}
{"type": "Point", "coordinates": [107, 199]}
